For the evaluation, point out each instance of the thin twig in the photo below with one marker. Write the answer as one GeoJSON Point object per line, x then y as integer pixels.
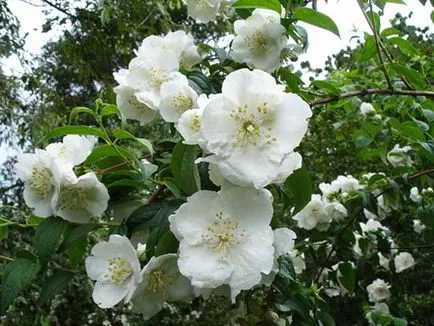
{"type": "Point", "coordinates": [374, 31]}
{"type": "Point", "coordinates": [59, 8]}
{"type": "Point", "coordinates": [369, 91]}
{"type": "Point", "coordinates": [156, 193]}
{"type": "Point", "coordinates": [6, 258]}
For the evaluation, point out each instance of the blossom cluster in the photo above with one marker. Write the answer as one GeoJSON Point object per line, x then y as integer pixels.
{"type": "Point", "coordinates": [321, 210]}
{"type": "Point", "coordinates": [51, 186]}
{"type": "Point", "coordinates": [248, 134]}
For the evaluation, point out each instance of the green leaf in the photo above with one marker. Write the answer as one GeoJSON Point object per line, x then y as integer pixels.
{"type": "Point", "coordinates": [184, 169]}
{"type": "Point", "coordinates": [76, 252]}
{"type": "Point", "coordinates": [53, 285]}
{"type": "Point", "coordinates": [426, 215]}
{"type": "Point", "coordinates": [292, 80]}
{"type": "Point", "coordinates": [267, 4]}
{"type": "Point", "coordinates": [326, 318]}
{"type": "Point", "coordinates": [48, 236]}
{"type": "Point", "coordinates": [167, 244]}
{"type": "Point", "coordinates": [327, 86]}
{"type": "Point", "coordinates": [4, 230]}
{"type": "Point", "coordinates": [348, 278]}
{"type": "Point", "coordinates": [104, 151]}
{"type": "Point", "coordinates": [123, 134]}
{"type": "Point", "coordinates": [316, 18]}
{"type": "Point", "coordinates": [199, 82]}
{"type": "Point", "coordinates": [76, 130]}
{"type": "Point", "coordinates": [374, 19]}
{"type": "Point", "coordinates": [77, 234]}
{"type": "Point", "coordinates": [403, 45]}
{"type": "Point", "coordinates": [110, 109]}
{"type": "Point", "coordinates": [174, 189]}
{"type": "Point", "coordinates": [81, 109]}
{"type": "Point", "coordinates": [152, 215]}
{"type": "Point", "coordinates": [412, 75]}
{"type": "Point", "coordinates": [17, 275]}
{"type": "Point", "coordinates": [368, 50]}
{"type": "Point", "coordinates": [399, 322]}
{"type": "Point", "coordinates": [130, 183]}
{"type": "Point", "coordinates": [299, 184]}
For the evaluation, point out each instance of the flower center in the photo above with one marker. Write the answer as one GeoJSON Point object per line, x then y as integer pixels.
{"type": "Point", "coordinates": [157, 77]}
{"type": "Point", "coordinates": [256, 43]}
{"type": "Point", "coordinates": [40, 182]}
{"type": "Point", "coordinates": [159, 281]}
{"type": "Point", "coordinates": [253, 125]}
{"type": "Point", "coordinates": [181, 103]}
{"type": "Point", "coordinates": [223, 234]}
{"type": "Point", "coordinates": [73, 198]}
{"type": "Point", "coordinates": [119, 270]}
{"type": "Point", "coordinates": [138, 106]}
{"type": "Point", "coordinates": [195, 124]}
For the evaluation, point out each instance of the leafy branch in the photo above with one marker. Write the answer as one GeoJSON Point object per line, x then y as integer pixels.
{"type": "Point", "coordinates": [363, 92]}
{"type": "Point", "coordinates": [357, 214]}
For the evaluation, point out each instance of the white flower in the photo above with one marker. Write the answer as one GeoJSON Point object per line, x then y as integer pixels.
{"type": "Point", "coordinates": [149, 72]}
{"type": "Point", "coordinates": [378, 290]}
{"type": "Point", "coordinates": [189, 127]}
{"type": "Point", "coordinates": [176, 98]}
{"type": "Point", "coordinates": [283, 245]}
{"type": "Point", "coordinates": [73, 149]}
{"type": "Point", "coordinates": [356, 247]}
{"type": "Point", "coordinates": [418, 226]}
{"type": "Point", "coordinates": [346, 183]}
{"type": "Point", "coordinates": [283, 241]}
{"type": "Point", "coordinates": [225, 238]}
{"type": "Point", "coordinates": [246, 127]}
{"type": "Point", "coordinates": [367, 109]}
{"type": "Point", "coordinates": [35, 170]}
{"type": "Point", "coordinates": [115, 268]}
{"type": "Point", "coordinates": [141, 250]}
{"type": "Point", "coordinates": [258, 42]}
{"type": "Point", "coordinates": [383, 261]}
{"type": "Point", "coordinates": [398, 156]}
{"type": "Point", "coordinates": [161, 281]}
{"type": "Point", "coordinates": [79, 199]}
{"type": "Point", "coordinates": [336, 211]}
{"type": "Point", "coordinates": [179, 42]}
{"type": "Point", "coordinates": [183, 45]}
{"type": "Point", "coordinates": [127, 102]}
{"type": "Point", "coordinates": [203, 10]}
{"type": "Point", "coordinates": [290, 163]}
{"type": "Point", "coordinates": [271, 16]}
{"type": "Point", "coordinates": [329, 191]}
{"type": "Point", "coordinates": [403, 261]}
{"type": "Point", "coordinates": [383, 208]}
{"type": "Point", "coordinates": [298, 261]}
{"type": "Point", "coordinates": [372, 226]}
{"type": "Point", "coordinates": [369, 215]}
{"type": "Point", "coordinates": [378, 307]}
{"type": "Point", "coordinates": [312, 214]}
{"type": "Point", "coordinates": [414, 195]}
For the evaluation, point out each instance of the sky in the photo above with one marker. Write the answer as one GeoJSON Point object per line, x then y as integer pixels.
{"type": "Point", "coordinates": [345, 13]}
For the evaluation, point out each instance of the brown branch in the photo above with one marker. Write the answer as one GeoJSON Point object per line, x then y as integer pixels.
{"type": "Point", "coordinates": [55, 6]}
{"type": "Point", "coordinates": [156, 193]}
{"type": "Point", "coordinates": [358, 212]}
{"type": "Point", "coordinates": [363, 92]}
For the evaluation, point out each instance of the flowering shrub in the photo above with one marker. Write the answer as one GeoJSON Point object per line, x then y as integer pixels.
{"type": "Point", "coordinates": [227, 206]}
